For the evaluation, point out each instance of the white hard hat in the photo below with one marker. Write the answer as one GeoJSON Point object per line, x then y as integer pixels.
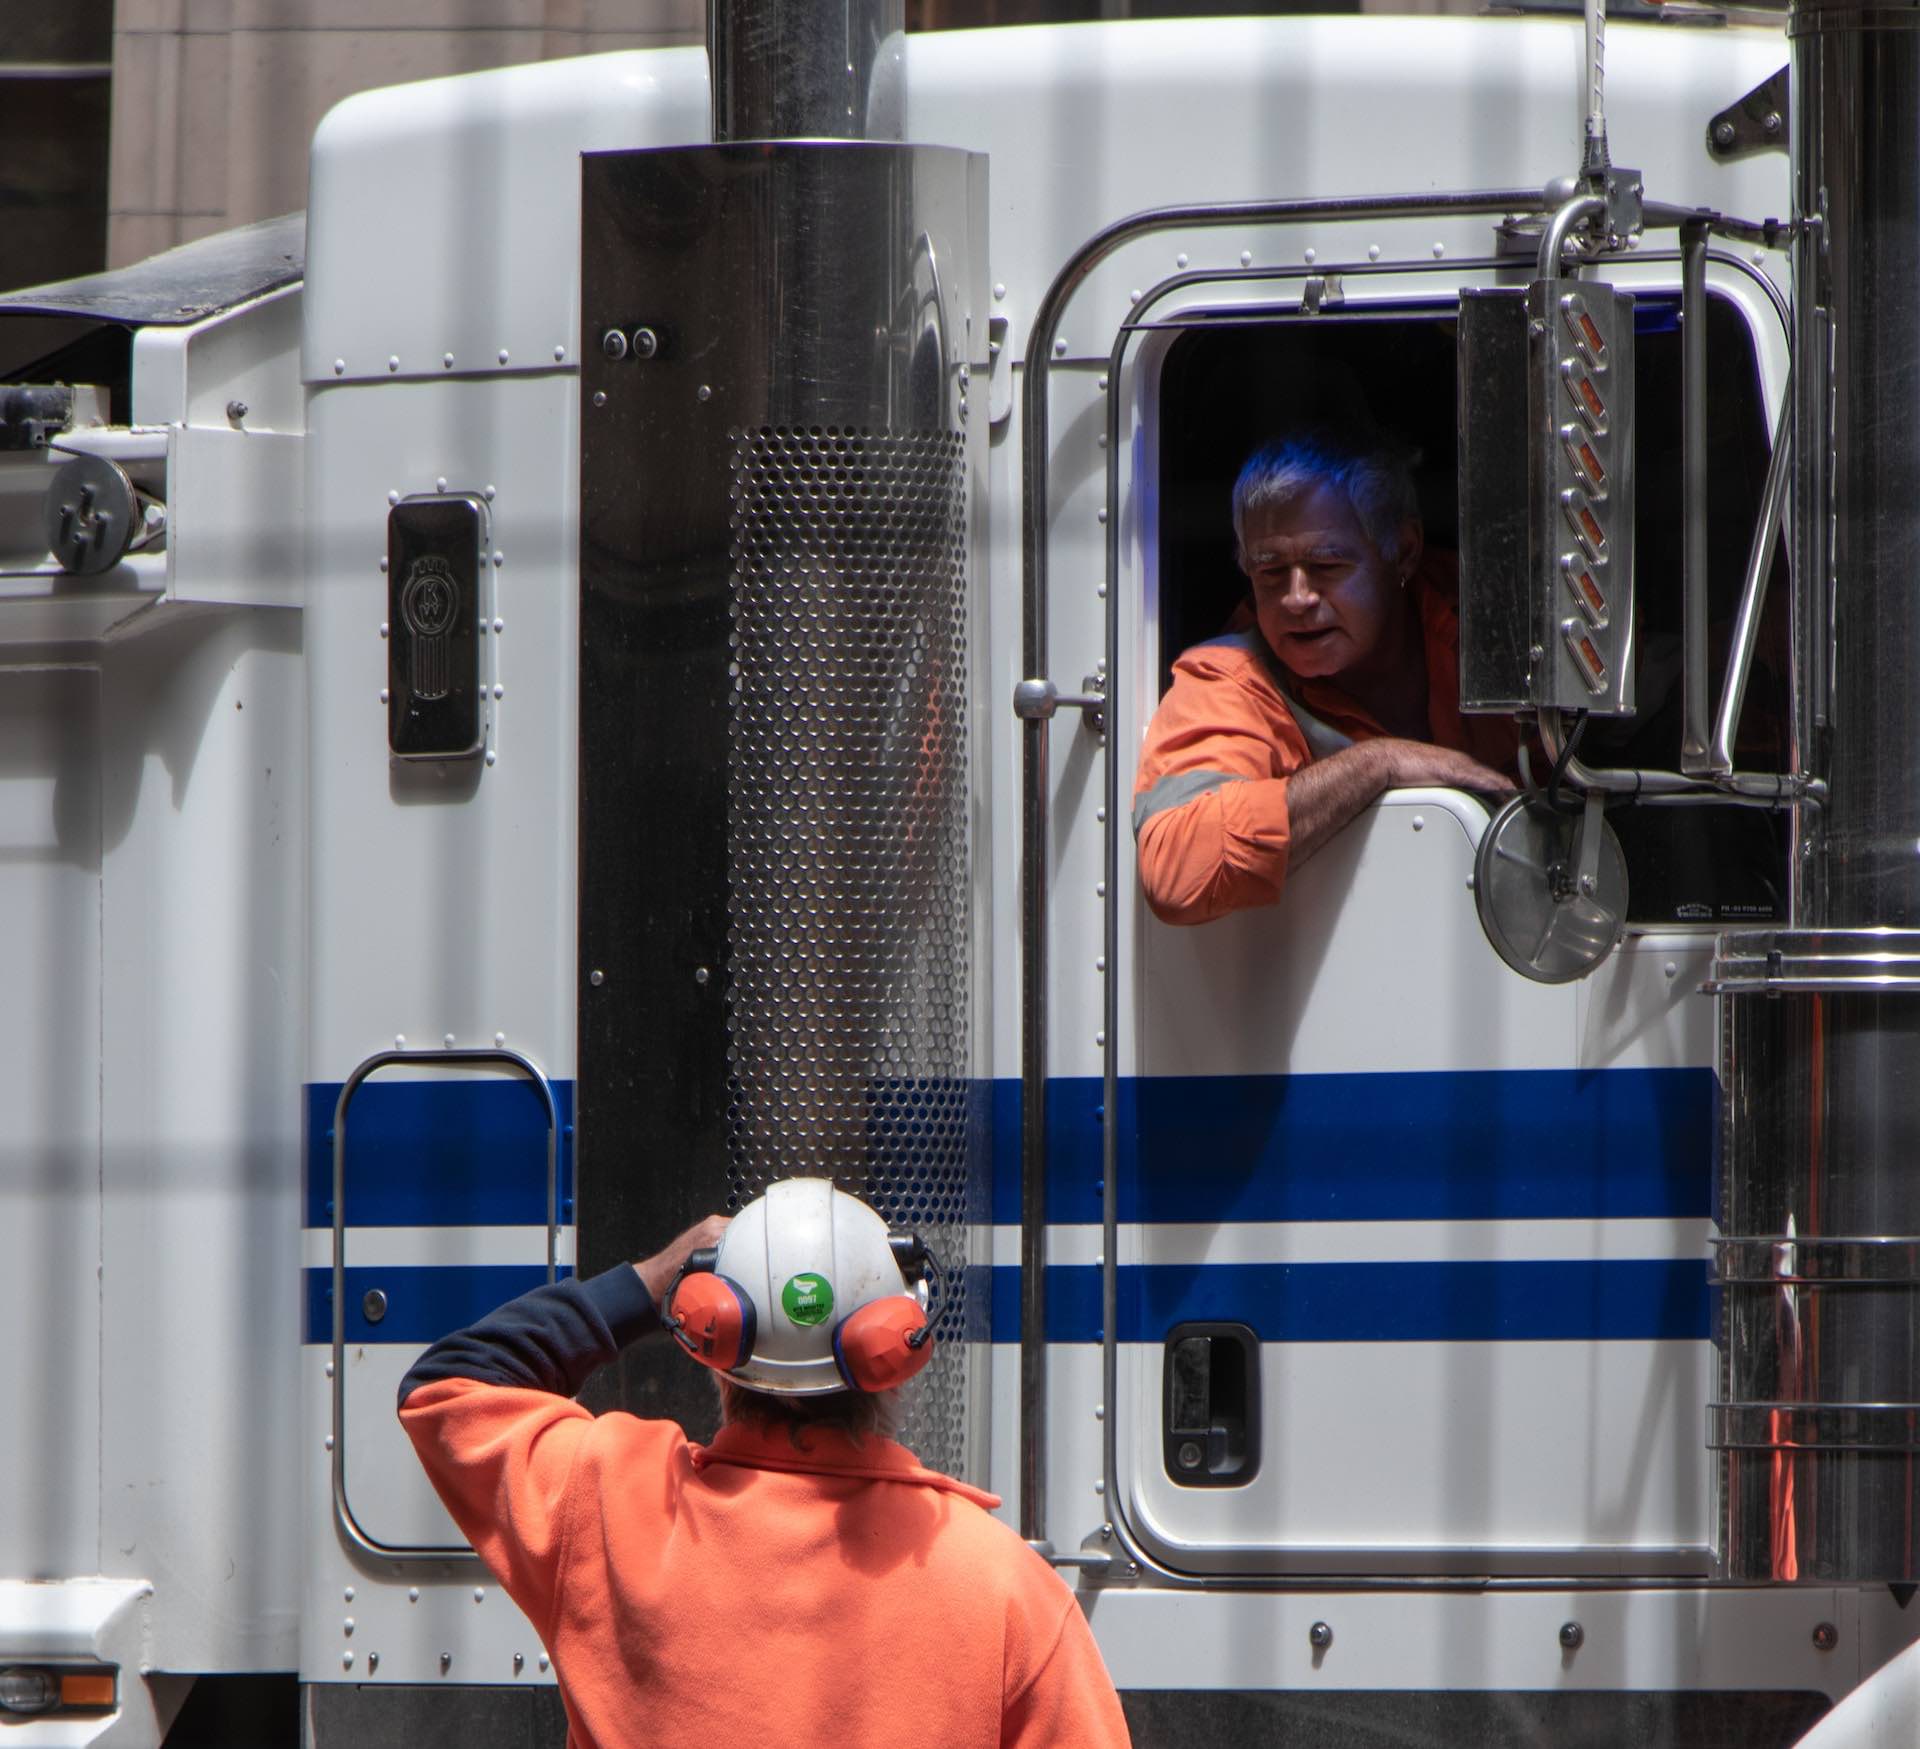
{"type": "Point", "coordinates": [801, 1261]}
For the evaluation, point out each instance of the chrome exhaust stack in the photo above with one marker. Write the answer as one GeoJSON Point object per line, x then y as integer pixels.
{"type": "Point", "coordinates": [1819, 1255]}
{"type": "Point", "coordinates": [781, 469]}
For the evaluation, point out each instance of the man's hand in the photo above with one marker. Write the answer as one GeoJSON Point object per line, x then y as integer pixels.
{"type": "Point", "coordinates": [1417, 765]}
{"type": "Point", "coordinates": [657, 1273]}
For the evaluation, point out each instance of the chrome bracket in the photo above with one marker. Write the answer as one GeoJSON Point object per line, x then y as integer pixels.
{"type": "Point", "coordinates": [1037, 700]}
{"type": "Point", "coordinates": [1321, 291]}
{"type": "Point", "coordinates": [1757, 123]}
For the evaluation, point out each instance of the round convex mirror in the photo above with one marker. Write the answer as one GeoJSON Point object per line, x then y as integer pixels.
{"type": "Point", "coordinates": [1526, 882]}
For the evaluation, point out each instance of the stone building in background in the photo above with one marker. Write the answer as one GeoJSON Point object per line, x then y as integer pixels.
{"type": "Point", "coordinates": [55, 97]}
{"type": "Point", "coordinates": [127, 126]}
{"type": "Point", "coordinates": [215, 101]}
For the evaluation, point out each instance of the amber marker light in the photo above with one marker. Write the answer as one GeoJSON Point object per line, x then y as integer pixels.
{"type": "Point", "coordinates": [87, 1688]}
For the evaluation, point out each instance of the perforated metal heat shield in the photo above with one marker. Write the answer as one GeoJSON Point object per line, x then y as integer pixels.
{"type": "Point", "coordinates": [777, 619]}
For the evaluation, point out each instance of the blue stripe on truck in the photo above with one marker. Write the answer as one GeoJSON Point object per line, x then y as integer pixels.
{"type": "Point", "coordinates": [1650, 1299]}
{"type": "Point", "coordinates": [422, 1303]}
{"type": "Point", "coordinates": [1498, 1144]}
{"type": "Point", "coordinates": [439, 1152]}
{"type": "Point", "coordinates": [1469, 1145]}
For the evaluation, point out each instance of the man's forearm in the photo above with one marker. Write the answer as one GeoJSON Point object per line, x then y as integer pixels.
{"type": "Point", "coordinates": [1324, 796]}
{"type": "Point", "coordinates": [552, 1339]}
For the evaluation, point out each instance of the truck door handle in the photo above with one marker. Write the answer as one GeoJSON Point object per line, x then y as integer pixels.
{"type": "Point", "coordinates": [1210, 1422]}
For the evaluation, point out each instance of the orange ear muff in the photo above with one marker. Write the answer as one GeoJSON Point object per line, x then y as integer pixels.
{"type": "Point", "coordinates": [712, 1319]}
{"type": "Point", "coordinates": [883, 1344]}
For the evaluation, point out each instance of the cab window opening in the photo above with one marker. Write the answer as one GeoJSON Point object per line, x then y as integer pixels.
{"type": "Point", "coordinates": [1226, 389]}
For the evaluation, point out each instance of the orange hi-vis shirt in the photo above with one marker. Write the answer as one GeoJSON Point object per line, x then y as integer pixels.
{"type": "Point", "coordinates": [1210, 795]}
{"type": "Point", "coordinates": [750, 1591]}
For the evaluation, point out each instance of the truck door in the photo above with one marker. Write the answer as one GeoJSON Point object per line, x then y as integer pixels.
{"type": "Point", "coordinates": [1413, 1252]}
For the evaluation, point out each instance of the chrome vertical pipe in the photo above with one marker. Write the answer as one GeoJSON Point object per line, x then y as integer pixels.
{"type": "Point", "coordinates": [1820, 1221]}
{"type": "Point", "coordinates": [1694, 718]}
{"type": "Point", "coordinates": [806, 69]}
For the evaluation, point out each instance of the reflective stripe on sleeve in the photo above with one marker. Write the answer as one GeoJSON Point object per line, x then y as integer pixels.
{"type": "Point", "coordinates": [1176, 789]}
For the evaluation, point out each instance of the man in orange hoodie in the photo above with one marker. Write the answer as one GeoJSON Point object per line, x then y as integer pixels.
{"type": "Point", "coordinates": [1338, 681]}
{"type": "Point", "coordinates": [803, 1578]}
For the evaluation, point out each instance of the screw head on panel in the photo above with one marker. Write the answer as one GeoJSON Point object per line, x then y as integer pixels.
{"type": "Point", "coordinates": [446, 360]}
{"type": "Point", "coordinates": [373, 1662]}
{"type": "Point", "coordinates": [446, 1662]}
{"type": "Point", "coordinates": [236, 411]}
{"type": "Point", "coordinates": [1320, 1636]}
{"type": "Point", "coordinates": [704, 392]}
{"type": "Point", "coordinates": [596, 978]}
{"type": "Point", "coordinates": [614, 343]}
{"type": "Point", "coordinates": [599, 397]}
{"type": "Point", "coordinates": [646, 343]}
{"type": "Point", "coordinates": [1825, 1637]}
{"type": "Point", "coordinates": [393, 362]}
{"type": "Point", "coordinates": [1572, 1636]}
{"type": "Point", "coordinates": [503, 355]}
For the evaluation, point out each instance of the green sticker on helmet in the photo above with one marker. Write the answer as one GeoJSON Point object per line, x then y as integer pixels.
{"type": "Point", "coordinates": [808, 1299]}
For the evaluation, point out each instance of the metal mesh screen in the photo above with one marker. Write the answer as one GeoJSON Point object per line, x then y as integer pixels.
{"type": "Point", "coordinates": [847, 837]}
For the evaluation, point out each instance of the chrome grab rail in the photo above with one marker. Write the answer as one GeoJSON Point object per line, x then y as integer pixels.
{"type": "Point", "coordinates": [350, 1526]}
{"type": "Point", "coordinates": [1034, 773]}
